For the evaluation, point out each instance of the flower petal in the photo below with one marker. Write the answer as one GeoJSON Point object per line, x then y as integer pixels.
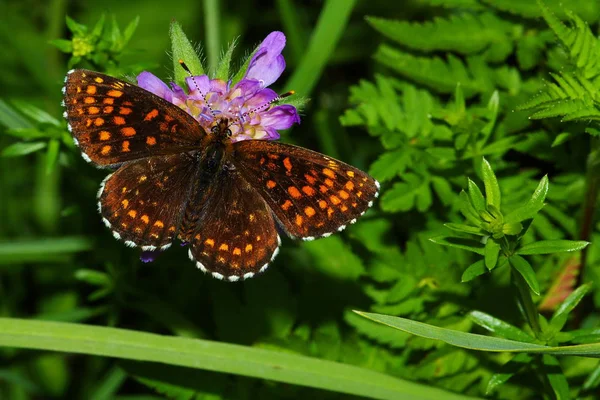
{"type": "Point", "coordinates": [267, 64]}
{"type": "Point", "coordinates": [280, 117]}
{"type": "Point", "coordinates": [151, 83]}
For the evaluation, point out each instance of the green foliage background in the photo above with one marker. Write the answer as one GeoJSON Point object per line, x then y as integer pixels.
{"type": "Point", "coordinates": [460, 108]}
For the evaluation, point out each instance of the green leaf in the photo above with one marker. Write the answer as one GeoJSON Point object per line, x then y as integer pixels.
{"type": "Point", "coordinates": [443, 189]}
{"type": "Point", "coordinates": [66, 46]}
{"type": "Point", "coordinates": [389, 165]}
{"type": "Point", "coordinates": [130, 30]}
{"type": "Point", "coordinates": [507, 371]}
{"type": "Point", "coordinates": [222, 71]}
{"type": "Point", "coordinates": [335, 258]}
{"type": "Point", "coordinates": [52, 155]}
{"type": "Point", "coordinates": [556, 377]}
{"type": "Point", "coordinates": [533, 206]}
{"type": "Point", "coordinates": [492, 190]}
{"type": "Point", "coordinates": [465, 229]}
{"type": "Point", "coordinates": [212, 356]}
{"type": "Point", "coordinates": [475, 341]}
{"type": "Point", "coordinates": [561, 138]}
{"type": "Point", "coordinates": [475, 196]}
{"type": "Point", "coordinates": [76, 28]}
{"type": "Point", "coordinates": [491, 251]}
{"type": "Point", "coordinates": [473, 271]}
{"type": "Point", "coordinates": [552, 246]}
{"type": "Point", "coordinates": [559, 318]}
{"type": "Point", "coordinates": [182, 49]}
{"type": "Point", "coordinates": [524, 268]}
{"type": "Point", "coordinates": [499, 327]}
{"type": "Point", "coordinates": [467, 209]}
{"type": "Point", "coordinates": [460, 243]}
{"type": "Point", "coordinates": [21, 149]}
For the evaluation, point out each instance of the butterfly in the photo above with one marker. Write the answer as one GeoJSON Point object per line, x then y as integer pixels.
{"type": "Point", "coordinates": [174, 179]}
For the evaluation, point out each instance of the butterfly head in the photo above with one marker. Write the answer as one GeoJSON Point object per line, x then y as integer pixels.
{"type": "Point", "coordinates": [220, 131]}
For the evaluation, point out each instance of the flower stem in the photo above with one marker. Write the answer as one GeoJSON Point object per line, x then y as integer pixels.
{"type": "Point", "coordinates": [590, 200]}
{"type": "Point", "coordinates": [212, 22]}
{"type": "Point", "coordinates": [526, 302]}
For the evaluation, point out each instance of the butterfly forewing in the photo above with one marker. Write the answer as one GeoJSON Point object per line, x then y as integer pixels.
{"type": "Point", "coordinates": [143, 201]}
{"type": "Point", "coordinates": [114, 121]}
{"type": "Point", "coordinates": [311, 194]}
{"type": "Point", "coordinates": [230, 229]}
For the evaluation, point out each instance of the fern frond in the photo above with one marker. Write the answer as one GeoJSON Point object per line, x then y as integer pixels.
{"type": "Point", "coordinates": [529, 9]}
{"type": "Point", "coordinates": [455, 4]}
{"type": "Point", "coordinates": [437, 74]}
{"type": "Point", "coordinates": [583, 47]}
{"type": "Point", "coordinates": [465, 33]}
{"type": "Point", "coordinates": [572, 97]}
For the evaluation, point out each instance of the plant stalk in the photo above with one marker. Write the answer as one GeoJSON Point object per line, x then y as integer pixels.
{"type": "Point", "coordinates": [526, 301]}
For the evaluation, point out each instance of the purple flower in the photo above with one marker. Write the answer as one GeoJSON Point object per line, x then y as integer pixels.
{"type": "Point", "coordinates": [248, 104]}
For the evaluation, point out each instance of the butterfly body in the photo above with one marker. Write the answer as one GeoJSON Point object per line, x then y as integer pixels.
{"type": "Point", "coordinates": [175, 179]}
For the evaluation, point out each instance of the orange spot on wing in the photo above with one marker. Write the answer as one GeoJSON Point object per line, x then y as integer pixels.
{"type": "Point", "coordinates": [329, 173]}
{"type": "Point", "coordinates": [299, 220]}
{"type": "Point", "coordinates": [143, 178]}
{"type": "Point", "coordinates": [151, 115]}
{"type": "Point", "coordinates": [159, 224]}
{"type": "Point", "coordinates": [128, 131]}
{"type": "Point", "coordinates": [99, 80]}
{"type": "Point", "coordinates": [88, 123]}
{"type": "Point", "coordinates": [271, 184]}
{"type": "Point", "coordinates": [350, 174]}
{"type": "Point", "coordinates": [89, 100]}
{"type": "Point", "coordinates": [273, 156]}
{"type": "Point", "coordinates": [93, 110]}
{"type": "Point", "coordinates": [309, 211]}
{"type": "Point", "coordinates": [105, 150]}
{"type": "Point", "coordinates": [358, 194]}
{"type": "Point", "coordinates": [349, 185]}
{"type": "Point", "coordinates": [151, 140]}
{"type": "Point", "coordinates": [287, 204]}
{"type": "Point", "coordinates": [99, 122]}
{"type": "Point", "coordinates": [125, 203]}
{"type": "Point", "coordinates": [329, 182]}
{"type": "Point", "coordinates": [334, 199]}
{"type": "Point", "coordinates": [311, 179]}
{"type": "Point", "coordinates": [108, 100]}
{"type": "Point", "coordinates": [104, 135]}
{"type": "Point", "coordinates": [322, 204]}
{"type": "Point", "coordinates": [125, 146]}
{"type": "Point", "coordinates": [132, 213]}
{"type": "Point", "coordinates": [329, 212]}
{"type": "Point", "coordinates": [119, 120]}
{"type": "Point", "coordinates": [287, 164]}
{"type": "Point", "coordinates": [343, 194]}
{"type": "Point", "coordinates": [323, 188]}
{"type": "Point", "coordinates": [125, 111]}
{"type": "Point", "coordinates": [237, 251]}
{"type": "Point", "coordinates": [308, 190]}
{"type": "Point", "coordinates": [209, 242]}
{"type": "Point", "coordinates": [294, 192]}
{"type": "Point", "coordinates": [91, 89]}
{"type": "Point", "coordinates": [114, 93]}
{"type": "Point", "coordinates": [248, 248]}
{"type": "Point", "coordinates": [108, 109]}
{"type": "Point", "coordinates": [145, 219]}
{"type": "Point", "coordinates": [344, 208]}
{"type": "Point", "coordinates": [224, 247]}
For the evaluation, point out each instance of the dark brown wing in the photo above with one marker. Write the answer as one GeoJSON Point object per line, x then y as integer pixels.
{"type": "Point", "coordinates": [113, 121]}
{"type": "Point", "coordinates": [143, 201]}
{"type": "Point", "coordinates": [230, 229]}
{"type": "Point", "coordinates": [311, 194]}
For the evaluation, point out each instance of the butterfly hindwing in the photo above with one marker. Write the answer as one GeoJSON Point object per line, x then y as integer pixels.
{"type": "Point", "coordinates": [311, 194]}
{"type": "Point", "coordinates": [113, 121]}
{"type": "Point", "coordinates": [233, 234]}
{"type": "Point", "coordinates": [143, 201]}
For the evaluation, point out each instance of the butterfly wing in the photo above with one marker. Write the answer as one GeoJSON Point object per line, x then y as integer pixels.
{"type": "Point", "coordinates": [113, 121]}
{"type": "Point", "coordinates": [143, 201]}
{"type": "Point", "coordinates": [230, 229]}
{"type": "Point", "coordinates": [311, 194]}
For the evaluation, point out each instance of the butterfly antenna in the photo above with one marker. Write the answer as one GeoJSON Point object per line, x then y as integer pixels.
{"type": "Point", "coordinates": [263, 106]}
{"type": "Point", "coordinates": [204, 95]}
